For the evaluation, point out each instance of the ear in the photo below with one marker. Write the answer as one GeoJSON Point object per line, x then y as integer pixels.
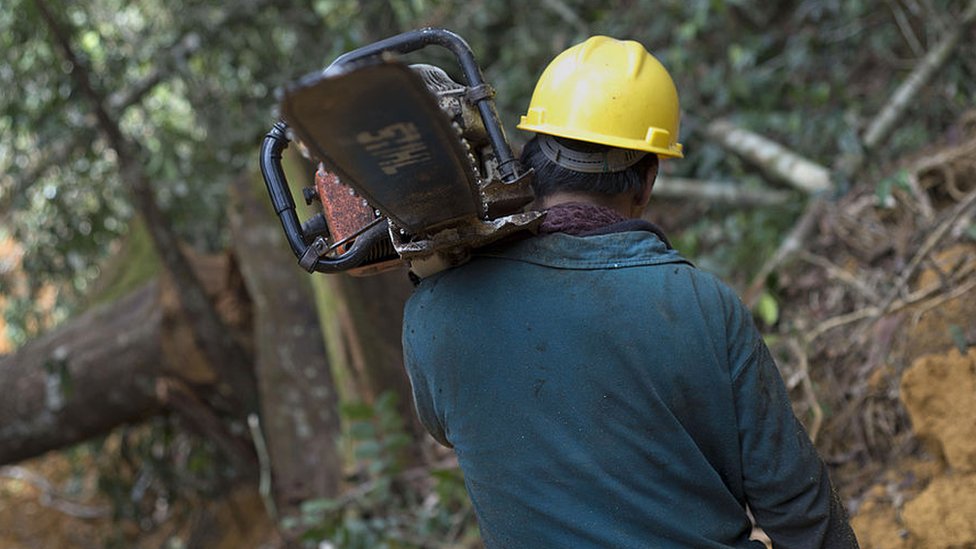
{"type": "Point", "coordinates": [644, 196]}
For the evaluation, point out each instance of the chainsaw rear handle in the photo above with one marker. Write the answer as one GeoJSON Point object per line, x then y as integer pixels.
{"type": "Point", "coordinates": [274, 177]}
{"type": "Point", "coordinates": [479, 92]}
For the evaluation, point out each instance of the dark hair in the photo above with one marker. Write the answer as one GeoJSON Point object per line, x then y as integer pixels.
{"type": "Point", "coordinates": [551, 177]}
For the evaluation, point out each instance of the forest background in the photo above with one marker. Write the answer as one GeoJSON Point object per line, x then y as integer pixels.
{"type": "Point", "coordinates": [185, 384]}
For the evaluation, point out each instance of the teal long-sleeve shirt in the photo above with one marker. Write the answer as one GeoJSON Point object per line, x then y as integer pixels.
{"type": "Point", "coordinates": [602, 392]}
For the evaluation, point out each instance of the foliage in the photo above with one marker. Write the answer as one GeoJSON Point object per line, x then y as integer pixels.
{"type": "Point", "coordinates": [148, 473]}
{"type": "Point", "coordinates": [808, 73]}
{"type": "Point", "coordinates": [388, 508]}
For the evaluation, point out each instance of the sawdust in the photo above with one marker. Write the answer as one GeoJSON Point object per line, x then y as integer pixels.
{"type": "Point", "coordinates": [879, 521]}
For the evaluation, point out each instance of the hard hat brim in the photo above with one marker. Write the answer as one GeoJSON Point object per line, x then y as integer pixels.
{"type": "Point", "coordinates": [671, 150]}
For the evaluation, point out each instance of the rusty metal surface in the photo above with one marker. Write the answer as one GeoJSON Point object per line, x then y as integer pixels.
{"type": "Point", "coordinates": [344, 211]}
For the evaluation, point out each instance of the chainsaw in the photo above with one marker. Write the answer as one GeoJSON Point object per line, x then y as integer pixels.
{"type": "Point", "coordinates": [414, 167]}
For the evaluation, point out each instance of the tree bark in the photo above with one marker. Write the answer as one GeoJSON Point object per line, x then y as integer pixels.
{"type": "Point", "coordinates": [101, 368]}
{"type": "Point", "coordinates": [299, 405]}
{"type": "Point", "coordinates": [95, 372]}
{"type": "Point", "coordinates": [369, 313]}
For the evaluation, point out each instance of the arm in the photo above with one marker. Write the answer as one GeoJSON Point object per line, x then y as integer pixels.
{"type": "Point", "coordinates": [785, 481]}
{"type": "Point", "coordinates": [422, 397]}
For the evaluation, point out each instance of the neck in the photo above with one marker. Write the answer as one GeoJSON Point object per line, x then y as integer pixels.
{"type": "Point", "coordinates": [620, 203]}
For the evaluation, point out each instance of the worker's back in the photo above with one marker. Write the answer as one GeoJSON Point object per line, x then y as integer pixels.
{"type": "Point", "coordinates": [602, 392]}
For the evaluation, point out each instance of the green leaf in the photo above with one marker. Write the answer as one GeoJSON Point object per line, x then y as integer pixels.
{"type": "Point", "coordinates": [959, 338]}
{"type": "Point", "coordinates": [397, 441]}
{"type": "Point", "coordinates": [767, 308]}
{"type": "Point", "coordinates": [386, 403]}
{"type": "Point", "coordinates": [319, 506]}
{"type": "Point", "coordinates": [362, 430]}
{"type": "Point", "coordinates": [883, 191]}
{"type": "Point", "coordinates": [357, 410]}
{"type": "Point", "coordinates": [447, 474]}
{"type": "Point", "coordinates": [368, 449]}
{"type": "Point", "coordinates": [971, 231]}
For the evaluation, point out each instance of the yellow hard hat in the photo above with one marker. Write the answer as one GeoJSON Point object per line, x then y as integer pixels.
{"type": "Point", "coordinates": [611, 92]}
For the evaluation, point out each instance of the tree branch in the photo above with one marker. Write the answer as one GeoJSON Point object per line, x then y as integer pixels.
{"type": "Point", "coordinates": [794, 241]}
{"type": "Point", "coordinates": [213, 338]}
{"type": "Point", "coordinates": [177, 52]}
{"type": "Point", "coordinates": [717, 191]}
{"type": "Point", "coordinates": [49, 496]}
{"type": "Point", "coordinates": [812, 177]}
{"type": "Point", "coordinates": [892, 112]}
{"type": "Point", "coordinates": [774, 159]}
{"type": "Point", "coordinates": [568, 15]}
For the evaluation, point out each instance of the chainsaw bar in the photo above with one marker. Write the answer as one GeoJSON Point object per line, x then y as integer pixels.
{"type": "Point", "coordinates": [380, 130]}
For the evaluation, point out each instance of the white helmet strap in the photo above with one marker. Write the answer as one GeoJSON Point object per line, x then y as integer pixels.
{"type": "Point", "coordinates": [608, 161]}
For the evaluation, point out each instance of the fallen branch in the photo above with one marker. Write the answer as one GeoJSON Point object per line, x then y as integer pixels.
{"type": "Point", "coordinates": [874, 312]}
{"type": "Point", "coordinates": [939, 300]}
{"type": "Point", "coordinates": [966, 150]}
{"type": "Point", "coordinates": [792, 168]}
{"type": "Point", "coordinates": [934, 237]}
{"type": "Point", "coordinates": [840, 274]}
{"type": "Point", "coordinates": [84, 378]}
{"type": "Point", "coordinates": [774, 159]}
{"type": "Point", "coordinates": [894, 109]}
{"type": "Point", "coordinates": [808, 392]}
{"type": "Point", "coordinates": [50, 498]}
{"type": "Point", "coordinates": [793, 242]}
{"type": "Point", "coordinates": [717, 191]}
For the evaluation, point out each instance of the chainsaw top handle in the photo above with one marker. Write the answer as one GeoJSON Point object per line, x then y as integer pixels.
{"type": "Point", "coordinates": [310, 253]}
{"type": "Point", "coordinates": [480, 92]}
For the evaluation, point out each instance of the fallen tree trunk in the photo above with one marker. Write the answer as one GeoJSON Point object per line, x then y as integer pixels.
{"type": "Point", "coordinates": [95, 372]}
{"type": "Point", "coordinates": [101, 369]}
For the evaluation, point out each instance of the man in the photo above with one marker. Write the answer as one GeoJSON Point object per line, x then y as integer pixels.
{"type": "Point", "coordinates": [599, 390]}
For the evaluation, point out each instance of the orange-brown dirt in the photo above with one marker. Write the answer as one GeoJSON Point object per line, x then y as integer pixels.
{"type": "Point", "coordinates": [931, 502]}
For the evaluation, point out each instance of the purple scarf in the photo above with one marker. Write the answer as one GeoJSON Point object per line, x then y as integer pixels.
{"type": "Point", "coordinates": [578, 218]}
